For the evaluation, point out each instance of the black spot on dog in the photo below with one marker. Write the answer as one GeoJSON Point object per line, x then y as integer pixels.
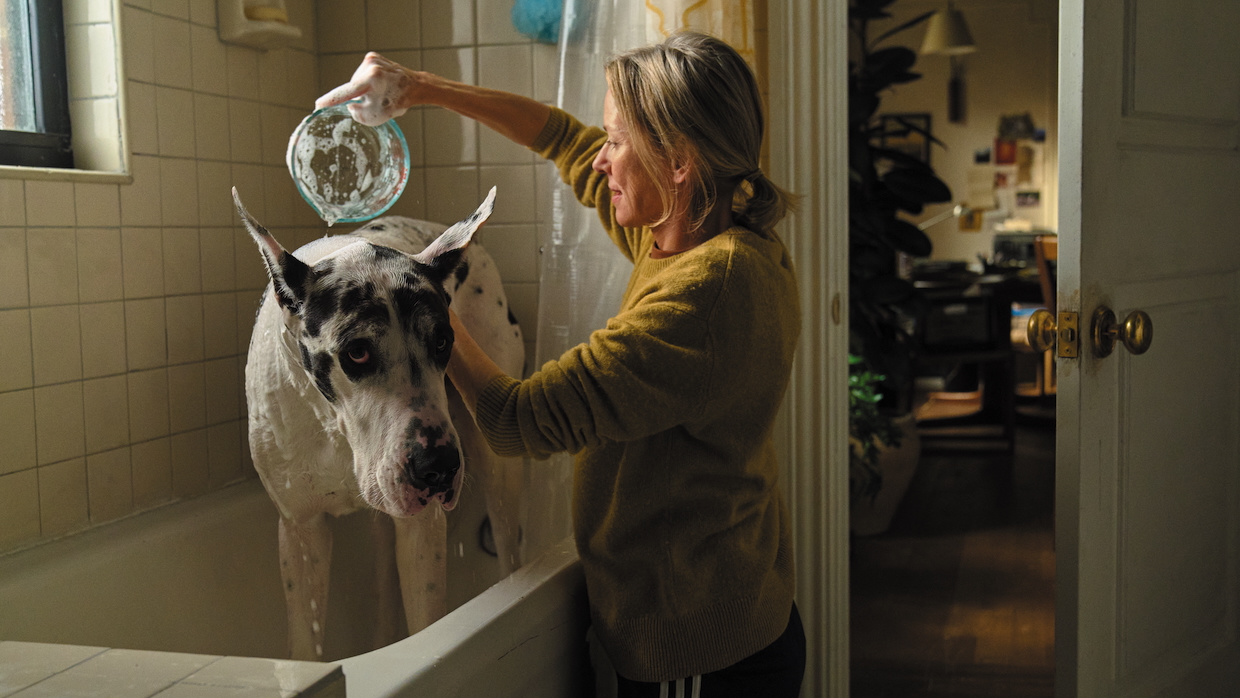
{"type": "Point", "coordinates": [357, 294]}
{"type": "Point", "coordinates": [306, 363]}
{"type": "Point", "coordinates": [414, 303]}
{"type": "Point", "coordinates": [377, 227]}
{"type": "Point", "coordinates": [362, 310]}
{"type": "Point", "coordinates": [382, 252]}
{"type": "Point", "coordinates": [512, 319]}
{"type": "Point", "coordinates": [322, 372]}
{"type": "Point", "coordinates": [500, 302]}
{"type": "Point", "coordinates": [461, 273]}
{"type": "Point", "coordinates": [478, 290]}
{"type": "Point", "coordinates": [321, 306]}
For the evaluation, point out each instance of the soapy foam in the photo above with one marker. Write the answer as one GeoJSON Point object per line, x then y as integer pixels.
{"type": "Point", "coordinates": [337, 163]}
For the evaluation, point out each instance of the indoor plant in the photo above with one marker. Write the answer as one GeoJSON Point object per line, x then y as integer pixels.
{"type": "Point", "coordinates": [883, 182]}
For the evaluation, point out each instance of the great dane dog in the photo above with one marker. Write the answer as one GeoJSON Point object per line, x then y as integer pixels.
{"type": "Point", "coordinates": [348, 406]}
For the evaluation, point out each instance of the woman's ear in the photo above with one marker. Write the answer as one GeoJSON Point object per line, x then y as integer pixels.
{"type": "Point", "coordinates": [680, 171]}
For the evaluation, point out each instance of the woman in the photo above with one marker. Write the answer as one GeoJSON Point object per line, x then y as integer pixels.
{"type": "Point", "coordinates": [679, 521]}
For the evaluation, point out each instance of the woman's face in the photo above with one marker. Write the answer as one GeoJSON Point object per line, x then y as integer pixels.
{"type": "Point", "coordinates": [633, 194]}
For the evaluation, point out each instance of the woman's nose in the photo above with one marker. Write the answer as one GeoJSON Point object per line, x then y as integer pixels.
{"type": "Point", "coordinates": [599, 163]}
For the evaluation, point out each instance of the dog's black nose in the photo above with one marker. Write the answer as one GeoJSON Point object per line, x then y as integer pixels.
{"type": "Point", "coordinates": [433, 468]}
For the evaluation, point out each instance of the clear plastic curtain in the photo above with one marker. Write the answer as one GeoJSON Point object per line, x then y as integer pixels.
{"type": "Point", "coordinates": [583, 275]}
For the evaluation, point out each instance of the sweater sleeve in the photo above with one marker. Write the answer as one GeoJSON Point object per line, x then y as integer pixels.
{"type": "Point", "coordinates": [572, 146]}
{"type": "Point", "coordinates": [646, 372]}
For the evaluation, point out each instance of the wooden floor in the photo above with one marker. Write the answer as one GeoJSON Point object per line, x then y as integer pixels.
{"type": "Point", "coordinates": [957, 598]}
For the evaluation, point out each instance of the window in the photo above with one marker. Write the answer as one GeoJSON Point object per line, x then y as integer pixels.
{"type": "Point", "coordinates": [34, 94]}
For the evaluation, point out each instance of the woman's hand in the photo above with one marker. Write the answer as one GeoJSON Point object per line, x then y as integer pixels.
{"type": "Point", "coordinates": [386, 88]}
{"type": "Point", "coordinates": [469, 368]}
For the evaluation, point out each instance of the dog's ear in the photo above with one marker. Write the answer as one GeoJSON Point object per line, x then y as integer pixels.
{"type": "Point", "coordinates": [443, 255]}
{"type": "Point", "coordinates": [288, 274]}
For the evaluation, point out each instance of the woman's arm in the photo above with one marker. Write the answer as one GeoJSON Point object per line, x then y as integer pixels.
{"type": "Point", "coordinates": [469, 368]}
{"type": "Point", "coordinates": [387, 89]}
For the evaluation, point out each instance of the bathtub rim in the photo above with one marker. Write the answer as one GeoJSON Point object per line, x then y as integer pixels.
{"type": "Point", "coordinates": [547, 594]}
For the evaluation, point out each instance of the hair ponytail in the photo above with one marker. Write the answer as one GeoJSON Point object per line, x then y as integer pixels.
{"type": "Point", "coordinates": [759, 203]}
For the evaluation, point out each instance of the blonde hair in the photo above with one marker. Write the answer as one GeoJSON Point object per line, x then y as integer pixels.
{"type": "Point", "coordinates": [692, 100]}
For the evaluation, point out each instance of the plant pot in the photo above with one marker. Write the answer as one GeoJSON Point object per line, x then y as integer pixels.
{"type": "Point", "coordinates": [871, 517]}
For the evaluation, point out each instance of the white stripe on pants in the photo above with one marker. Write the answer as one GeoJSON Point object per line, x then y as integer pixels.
{"type": "Point", "coordinates": [695, 683]}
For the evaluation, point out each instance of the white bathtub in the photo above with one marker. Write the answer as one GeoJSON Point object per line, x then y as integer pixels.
{"type": "Point", "coordinates": [202, 577]}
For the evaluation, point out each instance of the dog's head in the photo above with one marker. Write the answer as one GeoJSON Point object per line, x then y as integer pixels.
{"type": "Point", "coordinates": [372, 331]}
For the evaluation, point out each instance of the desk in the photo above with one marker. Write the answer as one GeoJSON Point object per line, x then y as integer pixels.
{"type": "Point", "coordinates": [968, 321]}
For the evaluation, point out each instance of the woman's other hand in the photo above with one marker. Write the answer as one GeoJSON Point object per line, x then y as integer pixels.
{"type": "Point", "coordinates": [386, 90]}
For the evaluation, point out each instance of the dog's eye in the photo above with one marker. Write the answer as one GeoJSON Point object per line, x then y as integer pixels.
{"type": "Point", "coordinates": [358, 353]}
{"type": "Point", "coordinates": [443, 345]}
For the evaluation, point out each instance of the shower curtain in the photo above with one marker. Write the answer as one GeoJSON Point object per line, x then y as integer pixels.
{"type": "Point", "coordinates": [582, 273]}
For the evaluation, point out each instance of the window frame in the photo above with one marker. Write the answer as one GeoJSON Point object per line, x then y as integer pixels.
{"type": "Point", "coordinates": [52, 147]}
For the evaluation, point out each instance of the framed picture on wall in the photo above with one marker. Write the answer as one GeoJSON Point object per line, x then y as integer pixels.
{"type": "Point", "coordinates": [906, 133]}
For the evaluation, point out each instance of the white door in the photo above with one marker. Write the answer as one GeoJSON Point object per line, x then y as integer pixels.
{"type": "Point", "coordinates": [1147, 509]}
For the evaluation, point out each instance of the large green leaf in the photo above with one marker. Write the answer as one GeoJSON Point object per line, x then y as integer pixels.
{"type": "Point", "coordinates": [884, 67]}
{"type": "Point", "coordinates": [908, 238]}
{"type": "Point", "coordinates": [907, 25]}
{"type": "Point", "coordinates": [919, 186]}
{"type": "Point", "coordinates": [869, 9]}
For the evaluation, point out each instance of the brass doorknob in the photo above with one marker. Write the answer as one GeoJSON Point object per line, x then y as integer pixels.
{"type": "Point", "coordinates": [1136, 332]}
{"type": "Point", "coordinates": [1041, 330]}
{"type": "Point", "coordinates": [1044, 332]}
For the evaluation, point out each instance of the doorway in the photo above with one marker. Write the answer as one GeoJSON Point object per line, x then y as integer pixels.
{"type": "Point", "coordinates": [956, 596]}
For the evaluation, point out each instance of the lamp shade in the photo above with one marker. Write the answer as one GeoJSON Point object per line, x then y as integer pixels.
{"type": "Point", "coordinates": [947, 34]}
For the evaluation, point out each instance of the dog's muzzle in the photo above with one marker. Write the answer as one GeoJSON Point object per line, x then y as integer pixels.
{"type": "Point", "coordinates": [434, 468]}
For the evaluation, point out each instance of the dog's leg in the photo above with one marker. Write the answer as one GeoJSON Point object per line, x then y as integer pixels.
{"type": "Point", "coordinates": [422, 559]}
{"type": "Point", "coordinates": [501, 479]}
{"type": "Point", "coordinates": [503, 487]}
{"type": "Point", "coordinates": [305, 568]}
{"type": "Point", "coordinates": [388, 627]}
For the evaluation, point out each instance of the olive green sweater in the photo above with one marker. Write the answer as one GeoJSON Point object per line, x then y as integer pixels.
{"type": "Point", "coordinates": [679, 521]}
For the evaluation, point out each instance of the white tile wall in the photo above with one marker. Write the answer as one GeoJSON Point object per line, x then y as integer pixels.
{"type": "Point", "coordinates": [12, 202]}
{"type": "Point", "coordinates": [13, 283]}
{"type": "Point", "coordinates": [56, 344]}
{"type": "Point", "coordinates": [45, 203]}
{"type": "Point", "coordinates": [447, 23]}
{"type": "Point", "coordinates": [97, 204]}
{"type": "Point", "coordinates": [209, 59]}
{"type": "Point", "coordinates": [17, 431]}
{"type": "Point", "coordinates": [392, 24]}
{"type": "Point", "coordinates": [170, 41]}
{"type": "Point", "coordinates": [126, 310]}
{"type": "Point", "coordinates": [17, 369]}
{"type": "Point", "coordinates": [174, 116]}
{"type": "Point", "coordinates": [52, 255]}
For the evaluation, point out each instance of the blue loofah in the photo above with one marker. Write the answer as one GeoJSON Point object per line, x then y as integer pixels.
{"type": "Point", "coordinates": [538, 19]}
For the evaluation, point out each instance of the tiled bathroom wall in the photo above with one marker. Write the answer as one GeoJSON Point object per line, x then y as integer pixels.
{"type": "Point", "coordinates": [125, 309]}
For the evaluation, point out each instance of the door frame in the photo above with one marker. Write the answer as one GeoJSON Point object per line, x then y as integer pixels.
{"type": "Point", "coordinates": [809, 156]}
